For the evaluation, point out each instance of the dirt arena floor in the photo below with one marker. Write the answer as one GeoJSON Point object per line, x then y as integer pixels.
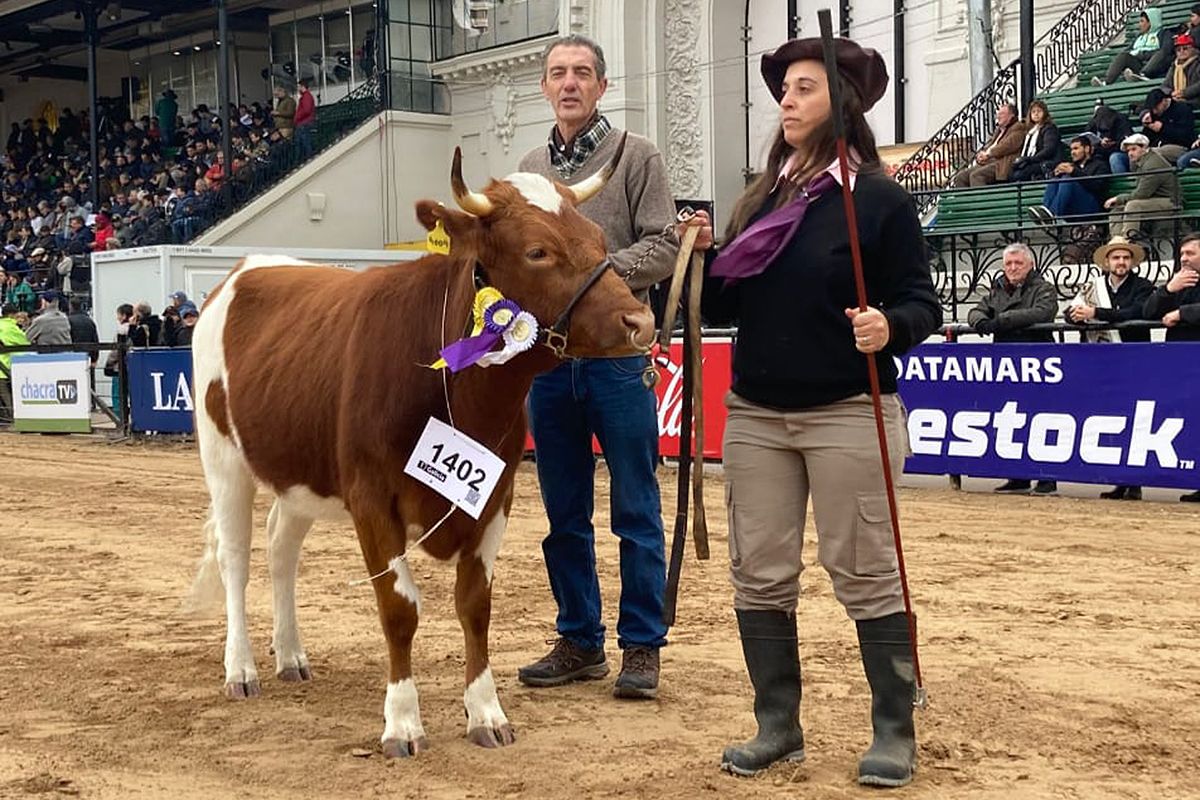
{"type": "Point", "coordinates": [1059, 644]}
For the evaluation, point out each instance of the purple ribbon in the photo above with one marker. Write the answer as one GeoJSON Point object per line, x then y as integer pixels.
{"type": "Point", "coordinates": [757, 247]}
{"type": "Point", "coordinates": [465, 352]}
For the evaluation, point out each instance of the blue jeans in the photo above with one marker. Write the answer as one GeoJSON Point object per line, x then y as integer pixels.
{"type": "Point", "coordinates": [605, 397]}
{"type": "Point", "coordinates": [1185, 160]}
{"type": "Point", "coordinates": [1069, 199]}
{"type": "Point", "coordinates": [1118, 163]}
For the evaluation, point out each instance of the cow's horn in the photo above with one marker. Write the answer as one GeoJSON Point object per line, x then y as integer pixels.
{"type": "Point", "coordinates": [471, 202]}
{"type": "Point", "coordinates": [587, 188]}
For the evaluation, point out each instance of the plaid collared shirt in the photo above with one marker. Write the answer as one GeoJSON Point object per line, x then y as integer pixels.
{"type": "Point", "coordinates": [568, 158]}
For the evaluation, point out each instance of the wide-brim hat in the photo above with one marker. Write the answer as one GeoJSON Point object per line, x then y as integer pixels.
{"type": "Point", "coordinates": [1136, 251]}
{"type": "Point", "coordinates": [863, 67]}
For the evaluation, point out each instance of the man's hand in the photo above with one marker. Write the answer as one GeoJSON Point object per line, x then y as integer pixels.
{"type": "Point", "coordinates": [1106, 142]}
{"type": "Point", "coordinates": [1171, 319]}
{"type": "Point", "coordinates": [1155, 126]}
{"type": "Point", "coordinates": [1063, 168]}
{"type": "Point", "coordinates": [1110, 202]}
{"type": "Point", "coordinates": [871, 330]}
{"type": "Point", "coordinates": [985, 326]}
{"type": "Point", "coordinates": [1081, 313]}
{"type": "Point", "coordinates": [1184, 279]}
{"type": "Point", "coordinates": [1176, 95]}
{"type": "Point", "coordinates": [704, 239]}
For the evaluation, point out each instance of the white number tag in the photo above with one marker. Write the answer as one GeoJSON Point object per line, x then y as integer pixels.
{"type": "Point", "coordinates": [455, 466]}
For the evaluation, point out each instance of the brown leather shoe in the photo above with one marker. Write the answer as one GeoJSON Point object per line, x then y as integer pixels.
{"type": "Point", "coordinates": [639, 674]}
{"type": "Point", "coordinates": [566, 662]}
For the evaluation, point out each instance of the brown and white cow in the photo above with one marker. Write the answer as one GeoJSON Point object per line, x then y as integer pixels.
{"type": "Point", "coordinates": [309, 381]}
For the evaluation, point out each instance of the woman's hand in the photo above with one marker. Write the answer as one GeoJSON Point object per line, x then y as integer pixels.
{"type": "Point", "coordinates": [704, 239]}
{"type": "Point", "coordinates": [871, 330]}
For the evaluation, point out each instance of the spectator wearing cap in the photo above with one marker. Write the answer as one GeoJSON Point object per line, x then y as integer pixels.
{"type": "Point", "coordinates": [11, 335]}
{"type": "Point", "coordinates": [1156, 190]}
{"type": "Point", "coordinates": [1164, 122]}
{"type": "Point", "coordinates": [188, 316]}
{"type": "Point", "coordinates": [50, 326]}
{"type": "Point", "coordinates": [1183, 79]}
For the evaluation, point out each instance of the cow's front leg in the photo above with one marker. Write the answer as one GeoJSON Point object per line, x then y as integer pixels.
{"type": "Point", "coordinates": [399, 610]}
{"type": "Point", "coordinates": [487, 724]}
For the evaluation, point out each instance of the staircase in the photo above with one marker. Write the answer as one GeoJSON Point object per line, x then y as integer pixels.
{"type": "Point", "coordinates": [1088, 24]}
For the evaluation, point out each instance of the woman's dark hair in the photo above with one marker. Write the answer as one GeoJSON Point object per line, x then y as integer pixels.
{"type": "Point", "coordinates": [125, 310]}
{"type": "Point", "coordinates": [1046, 118]}
{"type": "Point", "coordinates": [820, 154]}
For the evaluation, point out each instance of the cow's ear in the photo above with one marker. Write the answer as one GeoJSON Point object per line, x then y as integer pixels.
{"type": "Point", "coordinates": [430, 212]}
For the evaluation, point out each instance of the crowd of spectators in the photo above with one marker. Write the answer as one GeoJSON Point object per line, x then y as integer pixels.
{"type": "Point", "coordinates": [160, 181]}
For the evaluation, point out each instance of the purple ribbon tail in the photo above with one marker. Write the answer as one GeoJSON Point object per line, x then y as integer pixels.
{"type": "Point", "coordinates": [465, 352]}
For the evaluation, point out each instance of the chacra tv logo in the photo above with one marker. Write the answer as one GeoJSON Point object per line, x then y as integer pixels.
{"type": "Point", "coordinates": [63, 392]}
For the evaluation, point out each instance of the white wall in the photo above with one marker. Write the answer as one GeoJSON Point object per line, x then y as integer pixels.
{"type": "Point", "coordinates": [24, 99]}
{"type": "Point", "coordinates": [368, 182]}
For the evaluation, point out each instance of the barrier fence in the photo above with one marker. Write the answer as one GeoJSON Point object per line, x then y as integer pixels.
{"type": "Point", "coordinates": [1087, 413]}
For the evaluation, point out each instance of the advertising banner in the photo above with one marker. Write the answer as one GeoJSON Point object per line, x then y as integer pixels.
{"type": "Point", "coordinates": [1091, 413]}
{"type": "Point", "coordinates": [51, 392]}
{"type": "Point", "coordinates": [160, 390]}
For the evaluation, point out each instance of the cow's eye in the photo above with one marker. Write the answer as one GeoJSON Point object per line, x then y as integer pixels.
{"type": "Point", "coordinates": [536, 254]}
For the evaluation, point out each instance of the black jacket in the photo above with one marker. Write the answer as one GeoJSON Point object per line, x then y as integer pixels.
{"type": "Point", "coordinates": [1179, 126]}
{"type": "Point", "coordinates": [1127, 304]}
{"type": "Point", "coordinates": [1188, 303]}
{"type": "Point", "coordinates": [1108, 123]}
{"type": "Point", "coordinates": [795, 346]}
{"type": "Point", "coordinates": [1095, 169]}
{"type": "Point", "coordinates": [83, 331]}
{"type": "Point", "coordinates": [1047, 148]}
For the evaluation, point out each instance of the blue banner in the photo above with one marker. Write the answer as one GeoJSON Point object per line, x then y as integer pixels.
{"type": "Point", "coordinates": [160, 390]}
{"type": "Point", "coordinates": [1092, 413]}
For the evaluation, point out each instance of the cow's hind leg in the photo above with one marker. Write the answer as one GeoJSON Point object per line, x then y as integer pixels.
{"type": "Point", "coordinates": [232, 489]}
{"type": "Point", "coordinates": [487, 724]}
{"type": "Point", "coordinates": [286, 531]}
{"type": "Point", "coordinates": [399, 610]}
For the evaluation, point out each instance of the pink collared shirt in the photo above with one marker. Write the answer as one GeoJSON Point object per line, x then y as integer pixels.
{"type": "Point", "coordinates": [833, 169]}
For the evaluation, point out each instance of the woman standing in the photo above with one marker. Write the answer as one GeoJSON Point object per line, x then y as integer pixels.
{"type": "Point", "coordinates": [800, 419]}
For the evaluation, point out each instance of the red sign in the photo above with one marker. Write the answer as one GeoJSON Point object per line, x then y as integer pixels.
{"type": "Point", "coordinates": [716, 365]}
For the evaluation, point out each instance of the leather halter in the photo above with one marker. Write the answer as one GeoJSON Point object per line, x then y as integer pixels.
{"type": "Point", "coordinates": [556, 334]}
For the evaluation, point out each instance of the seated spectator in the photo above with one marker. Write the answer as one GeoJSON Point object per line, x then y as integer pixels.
{"type": "Point", "coordinates": [1183, 80]}
{"type": "Point", "coordinates": [1042, 149]}
{"type": "Point", "coordinates": [1164, 122]}
{"type": "Point", "coordinates": [1156, 190]}
{"type": "Point", "coordinates": [50, 326]}
{"type": "Point", "coordinates": [993, 164]}
{"type": "Point", "coordinates": [1132, 61]}
{"type": "Point", "coordinates": [1019, 298]}
{"type": "Point", "coordinates": [19, 293]}
{"type": "Point", "coordinates": [1177, 304]}
{"type": "Point", "coordinates": [104, 232]}
{"type": "Point", "coordinates": [1117, 296]}
{"type": "Point", "coordinates": [1079, 197]}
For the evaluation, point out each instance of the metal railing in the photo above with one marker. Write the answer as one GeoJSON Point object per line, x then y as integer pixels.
{"type": "Point", "coordinates": [1087, 26]}
{"type": "Point", "coordinates": [1090, 24]}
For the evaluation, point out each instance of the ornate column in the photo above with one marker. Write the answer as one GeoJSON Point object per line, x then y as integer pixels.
{"type": "Point", "coordinates": [684, 146]}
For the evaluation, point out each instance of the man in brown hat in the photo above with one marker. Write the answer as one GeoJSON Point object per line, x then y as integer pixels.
{"type": "Point", "coordinates": [1116, 296]}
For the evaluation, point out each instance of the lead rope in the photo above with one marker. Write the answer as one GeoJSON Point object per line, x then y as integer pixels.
{"type": "Point", "coordinates": [394, 564]}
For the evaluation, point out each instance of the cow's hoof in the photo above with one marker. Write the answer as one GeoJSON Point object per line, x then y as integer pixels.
{"type": "Point", "coordinates": [295, 674]}
{"type": "Point", "coordinates": [403, 748]}
{"type": "Point", "coordinates": [243, 690]}
{"type": "Point", "coordinates": [493, 737]}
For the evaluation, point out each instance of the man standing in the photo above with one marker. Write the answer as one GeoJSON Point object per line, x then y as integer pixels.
{"type": "Point", "coordinates": [1178, 305]}
{"type": "Point", "coordinates": [602, 396]}
{"type": "Point", "coordinates": [994, 163]}
{"type": "Point", "coordinates": [1019, 298]}
{"type": "Point", "coordinates": [306, 121]}
{"type": "Point", "coordinates": [50, 326]}
{"type": "Point", "coordinates": [285, 112]}
{"type": "Point", "coordinates": [1118, 297]}
{"type": "Point", "coordinates": [10, 336]}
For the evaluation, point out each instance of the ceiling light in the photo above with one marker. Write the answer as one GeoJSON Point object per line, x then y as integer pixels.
{"type": "Point", "coordinates": [196, 47]}
{"type": "Point", "coordinates": [177, 53]}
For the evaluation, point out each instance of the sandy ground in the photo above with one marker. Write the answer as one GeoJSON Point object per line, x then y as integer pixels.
{"type": "Point", "coordinates": [1059, 644]}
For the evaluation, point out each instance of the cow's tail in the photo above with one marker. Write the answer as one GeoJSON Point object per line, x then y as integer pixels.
{"type": "Point", "coordinates": [208, 593]}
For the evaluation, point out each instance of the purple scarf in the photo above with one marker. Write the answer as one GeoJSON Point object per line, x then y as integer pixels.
{"type": "Point", "coordinates": [757, 247]}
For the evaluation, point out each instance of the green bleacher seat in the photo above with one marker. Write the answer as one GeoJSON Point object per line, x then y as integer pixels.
{"type": "Point", "coordinates": [1095, 63]}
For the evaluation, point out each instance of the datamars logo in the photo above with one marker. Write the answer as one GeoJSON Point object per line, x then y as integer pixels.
{"type": "Point", "coordinates": [60, 393]}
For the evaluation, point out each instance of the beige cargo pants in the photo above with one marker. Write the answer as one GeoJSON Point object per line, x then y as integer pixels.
{"type": "Point", "coordinates": [774, 460]}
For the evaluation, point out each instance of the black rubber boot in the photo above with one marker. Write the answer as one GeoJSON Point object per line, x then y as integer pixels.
{"type": "Point", "coordinates": [888, 662]}
{"type": "Point", "coordinates": [772, 655]}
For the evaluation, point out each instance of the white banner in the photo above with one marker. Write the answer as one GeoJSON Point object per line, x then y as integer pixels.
{"type": "Point", "coordinates": [51, 392]}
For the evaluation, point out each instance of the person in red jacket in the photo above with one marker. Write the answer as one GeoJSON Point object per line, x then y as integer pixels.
{"type": "Point", "coordinates": [104, 232]}
{"type": "Point", "coordinates": [306, 121]}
